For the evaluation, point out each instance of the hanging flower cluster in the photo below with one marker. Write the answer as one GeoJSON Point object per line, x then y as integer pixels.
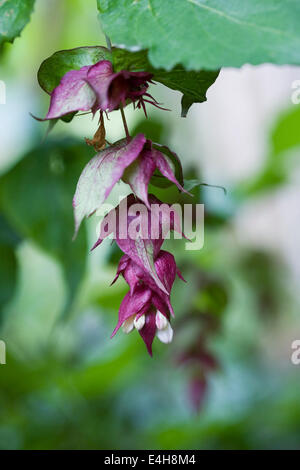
{"type": "Point", "coordinates": [148, 270]}
{"type": "Point", "coordinates": [201, 363]}
{"type": "Point", "coordinates": [151, 305]}
{"type": "Point", "coordinates": [97, 87]}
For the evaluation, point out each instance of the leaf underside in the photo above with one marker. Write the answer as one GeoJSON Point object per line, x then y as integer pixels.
{"type": "Point", "coordinates": [206, 34]}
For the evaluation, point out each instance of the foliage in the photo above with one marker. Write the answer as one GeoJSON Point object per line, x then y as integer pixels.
{"type": "Point", "coordinates": [8, 267]}
{"type": "Point", "coordinates": [193, 85]}
{"type": "Point", "coordinates": [14, 14]}
{"type": "Point", "coordinates": [67, 385]}
{"type": "Point", "coordinates": [284, 146]}
{"type": "Point", "coordinates": [205, 34]}
{"type": "Point", "coordinates": [43, 214]}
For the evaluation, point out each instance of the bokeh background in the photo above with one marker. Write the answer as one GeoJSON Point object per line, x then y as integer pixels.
{"type": "Point", "coordinates": [227, 380]}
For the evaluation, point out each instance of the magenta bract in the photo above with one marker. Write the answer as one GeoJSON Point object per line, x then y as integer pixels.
{"type": "Point", "coordinates": [134, 161]}
{"type": "Point", "coordinates": [140, 245]}
{"type": "Point", "coordinates": [166, 270]}
{"type": "Point", "coordinates": [97, 87]}
{"type": "Point", "coordinates": [101, 174]}
{"type": "Point", "coordinates": [138, 175]}
{"type": "Point", "coordinates": [148, 313]}
{"type": "Point", "coordinates": [146, 307]}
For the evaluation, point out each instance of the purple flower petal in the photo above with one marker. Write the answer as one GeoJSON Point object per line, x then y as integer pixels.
{"type": "Point", "coordinates": [96, 87]}
{"type": "Point", "coordinates": [143, 252]}
{"type": "Point", "coordinates": [166, 269]}
{"type": "Point", "coordinates": [197, 391]}
{"type": "Point", "coordinates": [100, 175]}
{"type": "Point", "coordinates": [178, 272]}
{"type": "Point", "coordinates": [114, 88]}
{"type": "Point", "coordinates": [100, 77]}
{"type": "Point", "coordinates": [165, 168]}
{"type": "Point", "coordinates": [137, 303]}
{"type": "Point", "coordinates": [139, 173]}
{"type": "Point", "coordinates": [167, 220]}
{"type": "Point", "coordinates": [148, 331]}
{"type": "Point", "coordinates": [137, 83]}
{"type": "Point", "coordinates": [72, 94]}
{"type": "Point", "coordinates": [132, 275]}
{"type": "Point", "coordinates": [165, 266]}
{"type": "Point", "coordinates": [123, 263]}
{"type": "Point", "coordinates": [161, 305]}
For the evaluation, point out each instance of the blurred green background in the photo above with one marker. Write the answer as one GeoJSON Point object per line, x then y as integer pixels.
{"type": "Point", "coordinates": [66, 385]}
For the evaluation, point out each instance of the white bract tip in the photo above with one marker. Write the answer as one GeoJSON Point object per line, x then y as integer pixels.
{"type": "Point", "coordinates": [128, 324]}
{"type": "Point", "coordinates": [160, 320]}
{"type": "Point", "coordinates": [165, 335]}
{"type": "Point", "coordinates": [140, 322]}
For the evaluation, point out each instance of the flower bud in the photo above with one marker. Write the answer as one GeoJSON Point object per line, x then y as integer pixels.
{"type": "Point", "coordinates": [161, 321]}
{"type": "Point", "coordinates": [128, 324]}
{"type": "Point", "coordinates": [165, 335]}
{"type": "Point", "coordinates": [139, 322]}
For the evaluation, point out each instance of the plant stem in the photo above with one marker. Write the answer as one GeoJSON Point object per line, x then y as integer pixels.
{"type": "Point", "coordinates": [124, 123]}
{"type": "Point", "coordinates": [108, 43]}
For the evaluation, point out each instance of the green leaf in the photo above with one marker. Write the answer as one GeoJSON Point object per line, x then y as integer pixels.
{"type": "Point", "coordinates": [193, 85]}
{"type": "Point", "coordinates": [285, 141]}
{"type": "Point", "coordinates": [56, 66]}
{"type": "Point", "coordinates": [286, 133]}
{"type": "Point", "coordinates": [212, 298]}
{"type": "Point", "coordinates": [14, 15]}
{"type": "Point", "coordinates": [8, 266]}
{"type": "Point", "coordinates": [8, 274]}
{"type": "Point", "coordinates": [36, 197]}
{"type": "Point", "coordinates": [206, 34]}
{"type": "Point", "coordinates": [191, 184]}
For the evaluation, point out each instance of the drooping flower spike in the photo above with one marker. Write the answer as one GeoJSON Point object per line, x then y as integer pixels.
{"type": "Point", "coordinates": [134, 161]}
{"type": "Point", "coordinates": [149, 271]}
{"type": "Point", "coordinates": [98, 87]}
{"type": "Point", "coordinates": [201, 362]}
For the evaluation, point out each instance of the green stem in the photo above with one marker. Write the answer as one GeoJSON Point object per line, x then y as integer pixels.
{"type": "Point", "coordinates": [108, 43]}
{"type": "Point", "coordinates": [124, 123]}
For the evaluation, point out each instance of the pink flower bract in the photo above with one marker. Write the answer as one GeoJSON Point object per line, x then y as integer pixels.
{"type": "Point", "coordinates": [98, 87]}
